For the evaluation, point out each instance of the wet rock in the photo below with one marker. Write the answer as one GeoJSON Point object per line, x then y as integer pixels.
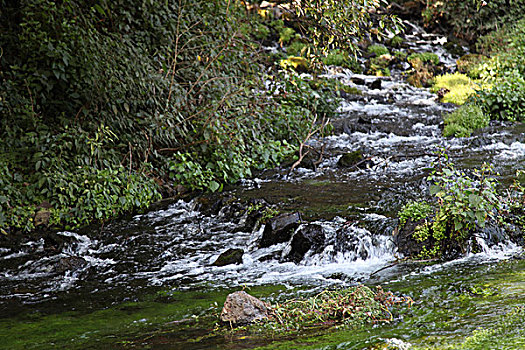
{"type": "Point", "coordinates": [279, 229]}
{"type": "Point", "coordinates": [255, 211]}
{"type": "Point", "coordinates": [404, 241]}
{"type": "Point", "coordinates": [357, 81]}
{"type": "Point", "coordinates": [376, 84]}
{"type": "Point", "coordinates": [70, 263]}
{"type": "Point", "coordinates": [241, 308]}
{"type": "Point", "coordinates": [231, 256]}
{"type": "Point", "coordinates": [410, 247]}
{"type": "Point", "coordinates": [353, 159]}
{"type": "Point", "coordinates": [309, 237]}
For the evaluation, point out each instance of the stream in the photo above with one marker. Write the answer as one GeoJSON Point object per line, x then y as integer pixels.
{"type": "Point", "coordinates": [147, 281]}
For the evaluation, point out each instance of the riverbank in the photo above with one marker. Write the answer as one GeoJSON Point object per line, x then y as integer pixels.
{"type": "Point", "coordinates": [76, 150]}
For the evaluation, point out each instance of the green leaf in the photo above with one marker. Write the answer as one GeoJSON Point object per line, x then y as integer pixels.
{"type": "Point", "coordinates": [434, 189]}
{"type": "Point", "coordinates": [214, 186]}
{"type": "Point", "coordinates": [474, 200]}
{"type": "Point", "coordinates": [480, 216]}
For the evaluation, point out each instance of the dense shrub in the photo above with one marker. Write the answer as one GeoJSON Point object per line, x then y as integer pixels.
{"type": "Point", "coordinates": [472, 18]}
{"type": "Point", "coordinates": [505, 72]}
{"type": "Point", "coordinates": [115, 94]}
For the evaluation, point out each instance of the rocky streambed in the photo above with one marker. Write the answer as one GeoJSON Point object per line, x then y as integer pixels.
{"type": "Point", "coordinates": [158, 279]}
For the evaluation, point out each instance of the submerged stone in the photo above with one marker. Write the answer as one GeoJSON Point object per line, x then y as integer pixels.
{"type": "Point", "coordinates": [231, 256]}
{"type": "Point", "coordinates": [242, 308]}
{"type": "Point", "coordinates": [279, 229]}
{"type": "Point", "coordinates": [70, 263]}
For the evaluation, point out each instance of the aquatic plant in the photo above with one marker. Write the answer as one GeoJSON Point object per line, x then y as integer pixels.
{"type": "Point", "coordinates": [350, 307]}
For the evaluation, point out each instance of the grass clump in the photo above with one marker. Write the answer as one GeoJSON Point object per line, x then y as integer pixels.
{"type": "Point", "coordinates": [460, 87]}
{"type": "Point", "coordinates": [352, 307]}
{"type": "Point", "coordinates": [463, 121]}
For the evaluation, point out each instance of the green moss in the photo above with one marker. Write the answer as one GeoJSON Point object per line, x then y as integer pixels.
{"type": "Point", "coordinates": [379, 65]}
{"type": "Point", "coordinates": [342, 59]}
{"type": "Point", "coordinates": [460, 87]}
{"type": "Point", "coordinates": [378, 50]}
{"type": "Point", "coordinates": [463, 121]}
{"type": "Point", "coordinates": [400, 55]}
{"type": "Point", "coordinates": [425, 57]}
{"type": "Point", "coordinates": [507, 333]}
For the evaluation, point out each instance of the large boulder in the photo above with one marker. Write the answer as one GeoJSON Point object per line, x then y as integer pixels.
{"type": "Point", "coordinates": [309, 237]}
{"type": "Point", "coordinates": [279, 229]}
{"type": "Point", "coordinates": [242, 308]}
{"type": "Point", "coordinates": [231, 256]}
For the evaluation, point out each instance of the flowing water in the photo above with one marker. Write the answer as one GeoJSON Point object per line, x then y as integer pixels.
{"type": "Point", "coordinates": [147, 280]}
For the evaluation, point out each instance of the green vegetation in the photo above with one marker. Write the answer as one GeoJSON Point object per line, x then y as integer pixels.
{"type": "Point", "coordinates": [470, 19]}
{"type": "Point", "coordinates": [297, 48]}
{"type": "Point", "coordinates": [340, 58]}
{"type": "Point", "coordinates": [504, 96]}
{"type": "Point", "coordinates": [353, 307]}
{"type": "Point", "coordinates": [395, 41]}
{"type": "Point", "coordinates": [378, 50]}
{"type": "Point", "coordinates": [463, 121]}
{"type": "Point", "coordinates": [414, 211]}
{"type": "Point", "coordinates": [425, 57]}
{"type": "Point", "coordinates": [105, 105]}
{"type": "Point", "coordinates": [507, 333]}
{"type": "Point", "coordinates": [463, 203]}
{"type": "Point", "coordinates": [460, 87]}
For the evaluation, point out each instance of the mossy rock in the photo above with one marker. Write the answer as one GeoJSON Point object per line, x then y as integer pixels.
{"type": "Point", "coordinates": [231, 256]}
{"type": "Point", "coordinates": [353, 159]}
{"type": "Point", "coordinates": [463, 121]}
{"type": "Point", "coordinates": [379, 65]}
{"type": "Point", "coordinates": [396, 41]}
{"type": "Point", "coordinates": [299, 64]}
{"type": "Point", "coordinates": [420, 78]}
{"type": "Point", "coordinates": [424, 57]}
